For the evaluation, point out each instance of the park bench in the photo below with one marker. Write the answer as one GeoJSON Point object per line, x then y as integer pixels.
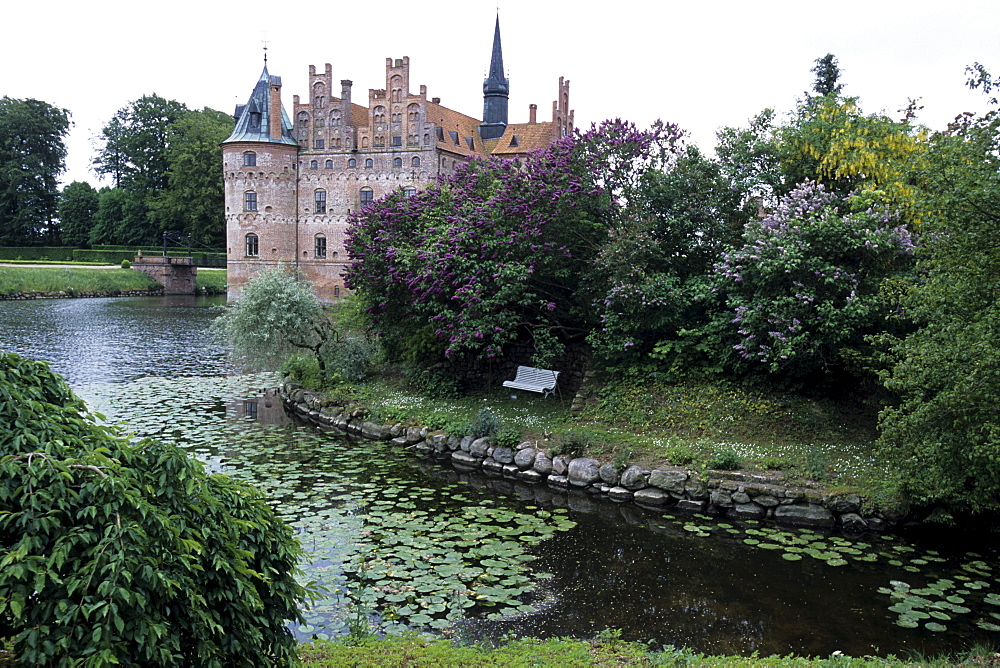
{"type": "Point", "coordinates": [534, 380]}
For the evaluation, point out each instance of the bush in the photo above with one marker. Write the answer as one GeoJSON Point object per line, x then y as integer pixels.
{"type": "Point", "coordinates": [350, 358]}
{"type": "Point", "coordinates": [122, 552]}
{"type": "Point", "coordinates": [126, 264]}
{"type": "Point", "coordinates": [433, 384]}
{"type": "Point", "coordinates": [484, 424]}
{"type": "Point", "coordinates": [507, 437]}
{"type": "Point", "coordinates": [304, 370]}
{"type": "Point", "coordinates": [724, 460]}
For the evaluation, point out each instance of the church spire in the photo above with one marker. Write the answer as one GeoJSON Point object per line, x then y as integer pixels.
{"type": "Point", "coordinates": [496, 89]}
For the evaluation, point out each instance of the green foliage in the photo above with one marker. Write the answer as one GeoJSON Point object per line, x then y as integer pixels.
{"type": "Point", "coordinates": [724, 459]}
{"type": "Point", "coordinates": [78, 204]}
{"type": "Point", "coordinates": [434, 384]}
{"type": "Point", "coordinates": [350, 358]}
{"type": "Point", "coordinates": [827, 74]}
{"type": "Point", "coordinates": [39, 253]}
{"type": "Point", "coordinates": [126, 264]}
{"type": "Point", "coordinates": [304, 370]}
{"type": "Point", "coordinates": [484, 424]}
{"type": "Point", "coordinates": [507, 437]}
{"type": "Point", "coordinates": [119, 551]}
{"type": "Point", "coordinates": [32, 156]}
{"type": "Point", "coordinates": [275, 316]}
{"type": "Point", "coordinates": [122, 217]}
{"type": "Point", "coordinates": [943, 436]}
{"type": "Point", "coordinates": [193, 200]}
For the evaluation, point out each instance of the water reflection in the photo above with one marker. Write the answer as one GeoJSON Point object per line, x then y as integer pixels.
{"type": "Point", "coordinates": [117, 339]}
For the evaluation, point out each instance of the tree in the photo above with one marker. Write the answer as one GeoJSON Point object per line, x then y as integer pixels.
{"type": "Point", "coordinates": [78, 205]}
{"type": "Point", "coordinates": [827, 73]}
{"type": "Point", "coordinates": [135, 144]}
{"type": "Point", "coordinates": [116, 551]}
{"type": "Point", "coordinates": [503, 249]}
{"type": "Point", "coordinates": [122, 217]}
{"type": "Point", "coordinates": [749, 158]}
{"type": "Point", "coordinates": [32, 156]}
{"type": "Point", "coordinates": [943, 436]}
{"type": "Point", "coordinates": [276, 315]}
{"type": "Point", "coordinates": [805, 284]}
{"type": "Point", "coordinates": [193, 200]}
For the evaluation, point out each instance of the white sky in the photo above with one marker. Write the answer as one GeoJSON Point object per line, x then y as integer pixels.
{"type": "Point", "coordinates": [702, 65]}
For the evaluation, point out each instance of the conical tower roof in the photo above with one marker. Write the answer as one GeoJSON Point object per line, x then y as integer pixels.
{"type": "Point", "coordinates": [253, 119]}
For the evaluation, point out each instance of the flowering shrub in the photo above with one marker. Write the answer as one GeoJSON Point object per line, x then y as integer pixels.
{"type": "Point", "coordinates": [502, 248]}
{"type": "Point", "coordinates": [805, 282]}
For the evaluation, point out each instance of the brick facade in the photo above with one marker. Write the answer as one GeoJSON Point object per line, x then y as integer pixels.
{"type": "Point", "coordinates": [291, 188]}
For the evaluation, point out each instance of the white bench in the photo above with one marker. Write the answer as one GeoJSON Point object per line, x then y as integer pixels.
{"type": "Point", "coordinates": [534, 380]}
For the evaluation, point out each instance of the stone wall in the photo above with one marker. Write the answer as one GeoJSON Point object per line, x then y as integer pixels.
{"type": "Point", "coordinates": [735, 495]}
{"type": "Point", "coordinates": [176, 274]}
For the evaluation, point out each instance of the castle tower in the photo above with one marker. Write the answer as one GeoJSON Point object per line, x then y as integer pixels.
{"type": "Point", "coordinates": [259, 170]}
{"type": "Point", "coordinates": [496, 90]}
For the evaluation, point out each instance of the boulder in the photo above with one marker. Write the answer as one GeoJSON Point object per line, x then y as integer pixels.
{"type": "Point", "coordinates": [746, 511]}
{"type": "Point", "coordinates": [503, 455]}
{"type": "Point", "coordinates": [852, 522]}
{"type": "Point", "coordinates": [560, 464]}
{"type": "Point", "coordinates": [479, 447]}
{"type": "Point", "coordinates": [584, 471]}
{"type": "Point", "coordinates": [525, 459]}
{"type": "Point", "coordinates": [464, 460]}
{"type": "Point", "coordinates": [634, 477]}
{"type": "Point", "coordinates": [619, 494]}
{"type": "Point", "coordinates": [671, 481]}
{"type": "Point", "coordinates": [609, 474]}
{"type": "Point", "coordinates": [843, 503]}
{"type": "Point", "coordinates": [542, 463]}
{"type": "Point", "coordinates": [651, 496]}
{"type": "Point", "coordinates": [811, 515]}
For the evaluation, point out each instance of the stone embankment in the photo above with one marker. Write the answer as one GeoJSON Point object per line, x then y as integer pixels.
{"type": "Point", "coordinates": [64, 294]}
{"type": "Point", "coordinates": [732, 494]}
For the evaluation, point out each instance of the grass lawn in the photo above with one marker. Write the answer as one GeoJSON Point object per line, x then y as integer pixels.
{"type": "Point", "coordinates": [71, 279]}
{"type": "Point", "coordinates": [698, 424]}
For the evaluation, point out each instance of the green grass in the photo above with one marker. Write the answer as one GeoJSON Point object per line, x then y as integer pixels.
{"type": "Point", "coordinates": [75, 279]}
{"type": "Point", "coordinates": [653, 422]}
{"type": "Point", "coordinates": [211, 280]}
{"type": "Point", "coordinates": [72, 279]}
{"type": "Point", "coordinates": [606, 650]}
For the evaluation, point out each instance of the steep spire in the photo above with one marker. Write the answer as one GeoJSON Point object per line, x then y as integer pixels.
{"type": "Point", "coordinates": [496, 89]}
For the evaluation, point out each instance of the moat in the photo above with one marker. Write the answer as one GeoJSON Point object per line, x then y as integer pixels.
{"type": "Point", "coordinates": [422, 545]}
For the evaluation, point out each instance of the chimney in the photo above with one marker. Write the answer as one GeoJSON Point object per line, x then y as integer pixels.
{"type": "Point", "coordinates": [532, 114]}
{"type": "Point", "coordinates": [345, 94]}
{"type": "Point", "coordinates": [274, 110]}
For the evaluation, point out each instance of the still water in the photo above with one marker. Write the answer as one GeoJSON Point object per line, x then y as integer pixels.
{"type": "Point", "coordinates": [420, 544]}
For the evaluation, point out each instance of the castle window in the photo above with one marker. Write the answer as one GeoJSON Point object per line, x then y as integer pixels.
{"type": "Point", "coordinates": [253, 246]}
{"type": "Point", "coordinates": [318, 144]}
{"type": "Point", "coordinates": [249, 159]}
{"type": "Point", "coordinates": [320, 201]}
{"type": "Point", "coordinates": [303, 119]}
{"type": "Point", "coordinates": [336, 291]}
{"type": "Point", "coordinates": [255, 120]}
{"type": "Point", "coordinates": [397, 162]}
{"type": "Point", "coordinates": [397, 140]}
{"type": "Point", "coordinates": [369, 163]}
{"type": "Point", "coordinates": [416, 161]}
{"type": "Point", "coordinates": [409, 192]}
{"type": "Point", "coordinates": [367, 196]}
{"type": "Point", "coordinates": [329, 164]}
{"type": "Point", "coordinates": [313, 165]}
{"type": "Point", "coordinates": [250, 201]}
{"type": "Point", "coordinates": [319, 247]}
{"type": "Point", "coordinates": [352, 163]}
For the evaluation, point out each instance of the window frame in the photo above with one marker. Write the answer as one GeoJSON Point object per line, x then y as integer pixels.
{"type": "Point", "coordinates": [250, 200]}
{"type": "Point", "coordinates": [251, 245]}
{"type": "Point", "coordinates": [319, 200]}
{"type": "Point", "coordinates": [249, 159]}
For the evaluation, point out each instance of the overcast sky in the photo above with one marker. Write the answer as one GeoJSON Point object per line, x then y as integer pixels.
{"type": "Point", "coordinates": [702, 65]}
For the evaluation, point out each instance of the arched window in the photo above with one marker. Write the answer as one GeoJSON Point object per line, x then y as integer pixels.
{"type": "Point", "coordinates": [369, 163]}
{"type": "Point", "coordinates": [367, 196]}
{"type": "Point", "coordinates": [319, 246]}
{"type": "Point", "coordinates": [249, 159]}
{"type": "Point", "coordinates": [329, 164]}
{"type": "Point", "coordinates": [397, 162]}
{"type": "Point", "coordinates": [313, 164]}
{"type": "Point", "coordinates": [320, 201]}
{"type": "Point", "coordinates": [416, 161]}
{"type": "Point", "coordinates": [336, 291]}
{"type": "Point", "coordinates": [250, 201]}
{"type": "Point", "coordinates": [303, 119]}
{"type": "Point", "coordinates": [352, 163]}
{"type": "Point", "coordinates": [253, 246]}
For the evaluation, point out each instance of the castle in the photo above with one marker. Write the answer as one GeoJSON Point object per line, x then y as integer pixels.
{"type": "Point", "coordinates": [290, 187]}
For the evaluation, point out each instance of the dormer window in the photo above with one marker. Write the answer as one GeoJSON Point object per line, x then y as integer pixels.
{"type": "Point", "coordinates": [255, 120]}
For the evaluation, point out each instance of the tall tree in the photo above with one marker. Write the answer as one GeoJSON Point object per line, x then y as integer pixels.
{"type": "Point", "coordinates": [78, 204]}
{"type": "Point", "coordinates": [827, 73]}
{"type": "Point", "coordinates": [32, 156]}
{"type": "Point", "coordinates": [122, 217]}
{"type": "Point", "coordinates": [944, 435]}
{"type": "Point", "coordinates": [135, 144]}
{"type": "Point", "coordinates": [194, 198]}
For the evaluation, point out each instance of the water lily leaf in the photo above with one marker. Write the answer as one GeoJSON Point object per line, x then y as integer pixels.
{"type": "Point", "coordinates": [935, 627]}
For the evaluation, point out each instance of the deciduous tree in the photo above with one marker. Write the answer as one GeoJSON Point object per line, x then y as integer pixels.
{"type": "Point", "coordinates": [32, 156]}
{"type": "Point", "coordinates": [78, 204]}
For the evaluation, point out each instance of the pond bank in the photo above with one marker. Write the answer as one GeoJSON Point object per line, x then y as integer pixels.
{"type": "Point", "coordinates": [732, 494]}
{"type": "Point", "coordinates": [71, 294]}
